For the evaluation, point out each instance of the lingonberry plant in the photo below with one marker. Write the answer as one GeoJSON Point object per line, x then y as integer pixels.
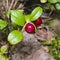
{"type": "Point", "coordinates": [18, 19]}
{"type": "Point", "coordinates": [3, 24]}
{"type": "Point", "coordinates": [3, 49]}
{"type": "Point", "coordinates": [28, 23]}
{"type": "Point", "coordinates": [25, 21]}
{"type": "Point", "coordinates": [54, 3]}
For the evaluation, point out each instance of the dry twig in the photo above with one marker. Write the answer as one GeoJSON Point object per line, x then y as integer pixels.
{"type": "Point", "coordinates": [11, 5]}
{"type": "Point", "coordinates": [15, 3]}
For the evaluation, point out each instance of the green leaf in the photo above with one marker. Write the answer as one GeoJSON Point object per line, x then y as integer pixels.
{"type": "Point", "coordinates": [7, 13]}
{"type": "Point", "coordinates": [15, 37]}
{"type": "Point", "coordinates": [3, 49]}
{"type": "Point", "coordinates": [27, 17]}
{"type": "Point", "coordinates": [58, 1]}
{"type": "Point", "coordinates": [2, 57]}
{"type": "Point", "coordinates": [17, 17]}
{"type": "Point", "coordinates": [36, 13]}
{"type": "Point", "coordinates": [52, 1]}
{"type": "Point", "coordinates": [43, 1]}
{"type": "Point", "coordinates": [3, 24]}
{"type": "Point", "coordinates": [57, 6]}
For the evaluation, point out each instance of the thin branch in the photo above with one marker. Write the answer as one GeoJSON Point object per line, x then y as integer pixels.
{"type": "Point", "coordinates": [50, 12]}
{"type": "Point", "coordinates": [15, 3]}
{"type": "Point", "coordinates": [45, 17]}
{"type": "Point", "coordinates": [11, 4]}
{"type": "Point", "coordinates": [7, 4]}
{"type": "Point", "coordinates": [20, 6]}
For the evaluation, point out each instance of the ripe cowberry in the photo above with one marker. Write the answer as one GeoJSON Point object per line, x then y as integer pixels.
{"type": "Point", "coordinates": [38, 22]}
{"type": "Point", "coordinates": [29, 28]}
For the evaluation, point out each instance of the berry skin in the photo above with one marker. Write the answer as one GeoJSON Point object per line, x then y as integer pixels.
{"type": "Point", "coordinates": [29, 28]}
{"type": "Point", "coordinates": [38, 22]}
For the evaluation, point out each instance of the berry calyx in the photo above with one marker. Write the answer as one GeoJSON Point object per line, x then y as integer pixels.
{"type": "Point", "coordinates": [38, 22]}
{"type": "Point", "coordinates": [30, 28]}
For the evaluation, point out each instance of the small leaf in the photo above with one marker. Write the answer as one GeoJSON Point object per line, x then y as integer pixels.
{"type": "Point", "coordinates": [43, 1]}
{"type": "Point", "coordinates": [27, 17]}
{"type": "Point", "coordinates": [3, 49]}
{"type": "Point", "coordinates": [17, 17]}
{"type": "Point", "coordinates": [36, 13]}
{"type": "Point", "coordinates": [15, 37]}
{"type": "Point", "coordinates": [3, 24]}
{"type": "Point", "coordinates": [52, 1]}
{"type": "Point", "coordinates": [2, 57]}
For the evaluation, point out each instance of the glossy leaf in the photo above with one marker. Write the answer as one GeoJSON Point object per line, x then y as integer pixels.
{"type": "Point", "coordinates": [52, 1]}
{"type": "Point", "coordinates": [15, 37]}
{"type": "Point", "coordinates": [43, 1]}
{"type": "Point", "coordinates": [2, 57]}
{"type": "Point", "coordinates": [3, 49]}
{"type": "Point", "coordinates": [17, 17]}
{"type": "Point", "coordinates": [36, 13]}
{"type": "Point", "coordinates": [3, 24]}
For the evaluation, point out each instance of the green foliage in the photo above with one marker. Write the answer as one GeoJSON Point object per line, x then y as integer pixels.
{"type": "Point", "coordinates": [52, 1]}
{"type": "Point", "coordinates": [57, 6]}
{"type": "Point", "coordinates": [15, 37]}
{"type": "Point", "coordinates": [27, 17]}
{"type": "Point", "coordinates": [43, 1]}
{"type": "Point", "coordinates": [17, 17]}
{"type": "Point", "coordinates": [3, 24]}
{"type": "Point", "coordinates": [51, 4]}
{"type": "Point", "coordinates": [36, 13]}
{"type": "Point", "coordinates": [54, 47]}
{"type": "Point", "coordinates": [48, 42]}
{"type": "Point", "coordinates": [58, 1]}
{"type": "Point", "coordinates": [2, 57]}
{"type": "Point", "coordinates": [3, 49]}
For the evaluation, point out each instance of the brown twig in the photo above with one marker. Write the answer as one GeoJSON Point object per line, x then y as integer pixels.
{"type": "Point", "coordinates": [50, 12]}
{"type": "Point", "coordinates": [15, 3]}
{"type": "Point", "coordinates": [20, 6]}
{"type": "Point", "coordinates": [7, 5]}
{"type": "Point", "coordinates": [11, 5]}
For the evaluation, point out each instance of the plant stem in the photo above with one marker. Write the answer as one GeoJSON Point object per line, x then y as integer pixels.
{"type": "Point", "coordinates": [20, 6]}
{"type": "Point", "coordinates": [23, 27]}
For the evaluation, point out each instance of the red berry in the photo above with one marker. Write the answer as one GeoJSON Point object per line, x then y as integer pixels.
{"type": "Point", "coordinates": [29, 28]}
{"type": "Point", "coordinates": [38, 22]}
